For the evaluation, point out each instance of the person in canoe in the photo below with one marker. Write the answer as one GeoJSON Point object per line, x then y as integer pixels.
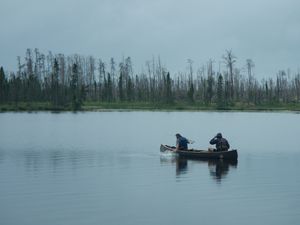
{"type": "Point", "coordinates": [181, 142]}
{"type": "Point", "coordinates": [220, 142]}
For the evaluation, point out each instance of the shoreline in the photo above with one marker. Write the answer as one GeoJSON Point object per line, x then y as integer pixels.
{"type": "Point", "coordinates": [146, 106]}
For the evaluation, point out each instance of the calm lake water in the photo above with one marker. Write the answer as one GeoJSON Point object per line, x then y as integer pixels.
{"type": "Point", "coordinates": [106, 168]}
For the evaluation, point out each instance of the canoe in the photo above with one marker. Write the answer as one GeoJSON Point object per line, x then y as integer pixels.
{"type": "Point", "coordinates": [205, 154]}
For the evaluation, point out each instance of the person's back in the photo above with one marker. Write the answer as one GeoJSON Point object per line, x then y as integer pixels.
{"type": "Point", "coordinates": [181, 142]}
{"type": "Point", "coordinates": [223, 145]}
{"type": "Point", "coordinates": [220, 142]}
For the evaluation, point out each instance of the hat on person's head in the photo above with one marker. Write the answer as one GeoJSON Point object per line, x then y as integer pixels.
{"type": "Point", "coordinates": [219, 135]}
{"type": "Point", "coordinates": [177, 135]}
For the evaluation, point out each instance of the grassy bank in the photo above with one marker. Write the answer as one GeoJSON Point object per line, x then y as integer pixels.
{"type": "Point", "coordinates": [33, 106]}
{"type": "Point", "coordinates": [91, 106]}
{"type": "Point", "coordinates": [102, 106]}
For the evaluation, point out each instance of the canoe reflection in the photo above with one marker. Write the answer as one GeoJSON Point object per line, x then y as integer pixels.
{"type": "Point", "coordinates": [218, 168]}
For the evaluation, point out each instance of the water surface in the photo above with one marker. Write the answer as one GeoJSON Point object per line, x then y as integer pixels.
{"type": "Point", "coordinates": [106, 168]}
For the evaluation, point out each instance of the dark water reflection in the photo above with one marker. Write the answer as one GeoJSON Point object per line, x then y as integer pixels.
{"type": "Point", "coordinates": [218, 168]}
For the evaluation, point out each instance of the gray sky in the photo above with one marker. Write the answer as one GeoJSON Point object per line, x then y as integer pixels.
{"type": "Point", "coordinates": [268, 32]}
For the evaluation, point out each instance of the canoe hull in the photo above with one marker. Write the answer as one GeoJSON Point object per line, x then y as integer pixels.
{"type": "Point", "coordinates": [204, 154]}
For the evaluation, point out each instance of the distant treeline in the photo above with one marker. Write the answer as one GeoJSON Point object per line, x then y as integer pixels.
{"type": "Point", "coordinates": [69, 81]}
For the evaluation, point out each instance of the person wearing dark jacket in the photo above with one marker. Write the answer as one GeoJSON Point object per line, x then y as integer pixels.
{"type": "Point", "coordinates": [181, 142]}
{"type": "Point", "coordinates": [220, 142]}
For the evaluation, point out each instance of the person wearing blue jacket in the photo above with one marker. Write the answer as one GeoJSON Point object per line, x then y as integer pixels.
{"type": "Point", "coordinates": [181, 142]}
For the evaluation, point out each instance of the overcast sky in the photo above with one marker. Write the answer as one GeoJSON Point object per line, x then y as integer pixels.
{"type": "Point", "coordinates": [268, 32]}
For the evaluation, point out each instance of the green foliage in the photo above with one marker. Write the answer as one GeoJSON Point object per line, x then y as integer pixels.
{"type": "Point", "coordinates": [120, 86]}
{"type": "Point", "coordinates": [3, 86]}
{"type": "Point", "coordinates": [76, 89]}
{"type": "Point", "coordinates": [167, 93]}
{"type": "Point", "coordinates": [209, 90]}
{"type": "Point", "coordinates": [55, 95]}
{"type": "Point", "coordinates": [130, 89]}
{"type": "Point", "coordinates": [190, 93]}
{"type": "Point", "coordinates": [220, 93]}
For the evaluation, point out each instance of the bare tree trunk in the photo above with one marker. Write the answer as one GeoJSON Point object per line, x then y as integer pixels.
{"type": "Point", "coordinates": [230, 59]}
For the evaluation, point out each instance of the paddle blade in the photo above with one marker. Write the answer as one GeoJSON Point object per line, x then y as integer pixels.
{"type": "Point", "coordinates": [191, 141]}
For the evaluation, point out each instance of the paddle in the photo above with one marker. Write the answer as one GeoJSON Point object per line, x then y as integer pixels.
{"type": "Point", "coordinates": [191, 141]}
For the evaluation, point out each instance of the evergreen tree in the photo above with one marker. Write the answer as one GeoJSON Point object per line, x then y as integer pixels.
{"type": "Point", "coordinates": [227, 98]}
{"type": "Point", "coordinates": [120, 87]}
{"type": "Point", "coordinates": [33, 88]}
{"type": "Point", "coordinates": [129, 89]}
{"type": "Point", "coordinates": [3, 85]}
{"type": "Point", "coordinates": [209, 91]}
{"type": "Point", "coordinates": [75, 90]}
{"type": "Point", "coordinates": [191, 92]}
{"type": "Point", "coordinates": [105, 89]}
{"type": "Point", "coordinates": [169, 89]}
{"type": "Point", "coordinates": [109, 88]}
{"type": "Point", "coordinates": [55, 85]}
{"type": "Point", "coordinates": [15, 87]}
{"type": "Point", "coordinates": [220, 98]}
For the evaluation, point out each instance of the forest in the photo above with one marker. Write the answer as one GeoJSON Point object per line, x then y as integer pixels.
{"type": "Point", "coordinates": [58, 82]}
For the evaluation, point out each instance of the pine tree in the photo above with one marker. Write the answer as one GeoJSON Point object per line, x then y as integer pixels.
{"type": "Point", "coordinates": [15, 87]}
{"type": "Point", "coordinates": [75, 90]}
{"type": "Point", "coordinates": [120, 87]}
{"type": "Point", "coordinates": [191, 92]}
{"type": "Point", "coordinates": [55, 85]}
{"type": "Point", "coordinates": [109, 88]}
{"type": "Point", "coordinates": [169, 96]}
{"type": "Point", "coordinates": [209, 91]}
{"type": "Point", "coordinates": [2, 85]}
{"type": "Point", "coordinates": [129, 89]}
{"type": "Point", "coordinates": [220, 98]}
